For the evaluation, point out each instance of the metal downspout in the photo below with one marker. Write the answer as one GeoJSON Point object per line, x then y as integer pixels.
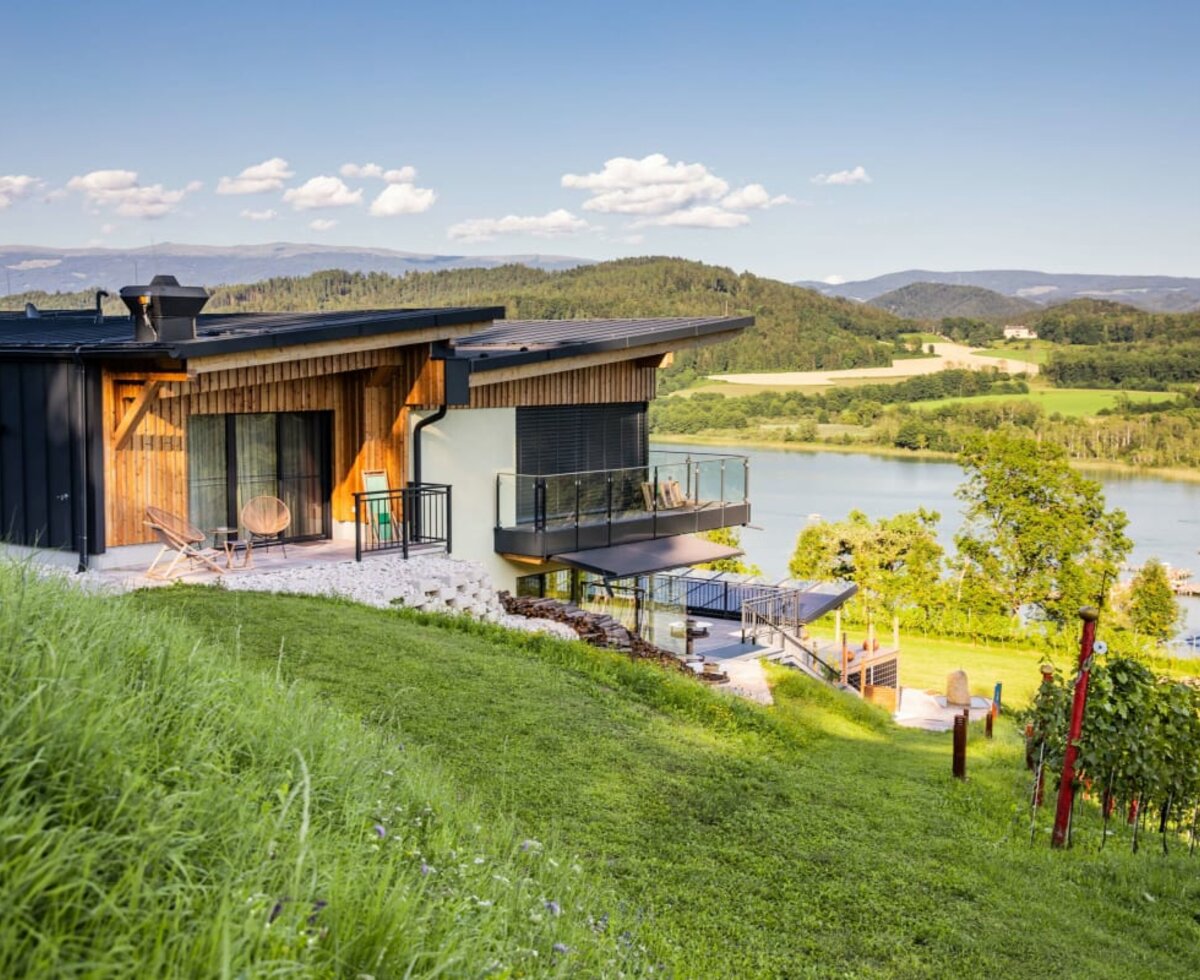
{"type": "Point", "coordinates": [81, 511]}
{"type": "Point", "coordinates": [437, 416]}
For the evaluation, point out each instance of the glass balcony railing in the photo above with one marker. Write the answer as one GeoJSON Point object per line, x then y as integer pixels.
{"type": "Point", "coordinates": [674, 493]}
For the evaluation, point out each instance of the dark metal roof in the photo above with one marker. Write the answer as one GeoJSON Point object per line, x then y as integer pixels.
{"type": "Point", "coordinates": [644, 557]}
{"type": "Point", "coordinates": [221, 333]}
{"type": "Point", "coordinates": [515, 342]}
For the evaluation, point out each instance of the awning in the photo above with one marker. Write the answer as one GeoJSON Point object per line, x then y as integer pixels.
{"type": "Point", "coordinates": [644, 557]}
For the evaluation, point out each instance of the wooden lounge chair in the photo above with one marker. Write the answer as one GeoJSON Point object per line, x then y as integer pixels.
{"type": "Point", "coordinates": [177, 535]}
{"type": "Point", "coordinates": [265, 519]}
{"type": "Point", "coordinates": [670, 495]}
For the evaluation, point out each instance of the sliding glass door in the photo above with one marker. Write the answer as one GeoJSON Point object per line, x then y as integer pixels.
{"type": "Point", "coordinates": [234, 458]}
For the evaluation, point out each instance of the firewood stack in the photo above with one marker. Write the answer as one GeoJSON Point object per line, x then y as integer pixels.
{"type": "Point", "coordinates": [597, 629]}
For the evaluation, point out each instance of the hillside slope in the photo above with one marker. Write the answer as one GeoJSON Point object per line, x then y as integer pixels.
{"type": "Point", "coordinates": [809, 839]}
{"type": "Point", "coordinates": [796, 328]}
{"type": "Point", "coordinates": [933, 301]}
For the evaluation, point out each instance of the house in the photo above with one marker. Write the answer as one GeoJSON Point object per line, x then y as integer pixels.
{"type": "Point", "coordinates": [1014, 332]}
{"type": "Point", "coordinates": [523, 445]}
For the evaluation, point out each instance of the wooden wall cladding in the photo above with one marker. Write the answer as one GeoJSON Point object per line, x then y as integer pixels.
{"type": "Point", "coordinates": [370, 394]}
{"type": "Point", "coordinates": [624, 381]}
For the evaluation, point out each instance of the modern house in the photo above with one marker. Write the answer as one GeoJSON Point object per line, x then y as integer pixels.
{"type": "Point", "coordinates": [1018, 332]}
{"type": "Point", "coordinates": [522, 445]}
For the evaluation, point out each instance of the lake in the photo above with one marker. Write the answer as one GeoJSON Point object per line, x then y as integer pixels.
{"type": "Point", "coordinates": [787, 486]}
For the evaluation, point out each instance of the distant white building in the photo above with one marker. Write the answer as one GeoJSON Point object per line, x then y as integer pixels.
{"type": "Point", "coordinates": [1019, 333]}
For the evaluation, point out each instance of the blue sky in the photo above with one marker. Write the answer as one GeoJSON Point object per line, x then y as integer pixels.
{"type": "Point", "coordinates": [795, 140]}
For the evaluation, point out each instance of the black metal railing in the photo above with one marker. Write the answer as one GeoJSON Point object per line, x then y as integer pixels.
{"type": "Point", "coordinates": [399, 520]}
{"type": "Point", "coordinates": [674, 493]}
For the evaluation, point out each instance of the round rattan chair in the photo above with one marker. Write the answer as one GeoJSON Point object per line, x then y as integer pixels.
{"type": "Point", "coordinates": [265, 519]}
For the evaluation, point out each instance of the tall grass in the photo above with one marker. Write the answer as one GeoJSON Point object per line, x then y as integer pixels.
{"type": "Point", "coordinates": [165, 811]}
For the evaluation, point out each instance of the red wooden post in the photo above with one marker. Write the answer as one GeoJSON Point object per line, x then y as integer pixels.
{"type": "Point", "coordinates": [1066, 788]}
{"type": "Point", "coordinates": [959, 759]}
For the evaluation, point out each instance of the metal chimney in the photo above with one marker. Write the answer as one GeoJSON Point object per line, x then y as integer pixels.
{"type": "Point", "coordinates": [164, 310]}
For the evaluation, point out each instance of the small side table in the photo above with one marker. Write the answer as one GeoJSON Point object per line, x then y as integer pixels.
{"type": "Point", "coordinates": [223, 537]}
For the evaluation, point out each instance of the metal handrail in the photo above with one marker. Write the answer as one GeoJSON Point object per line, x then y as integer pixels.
{"type": "Point", "coordinates": [686, 457]}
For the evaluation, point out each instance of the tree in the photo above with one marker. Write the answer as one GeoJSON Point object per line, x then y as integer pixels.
{"type": "Point", "coordinates": [728, 536]}
{"type": "Point", "coordinates": [1153, 609]}
{"type": "Point", "coordinates": [1035, 530]}
{"type": "Point", "coordinates": [896, 562]}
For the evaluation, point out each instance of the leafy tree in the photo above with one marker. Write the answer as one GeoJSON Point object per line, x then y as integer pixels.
{"type": "Point", "coordinates": [896, 562]}
{"type": "Point", "coordinates": [728, 536]}
{"type": "Point", "coordinates": [1152, 607]}
{"type": "Point", "coordinates": [1035, 529]}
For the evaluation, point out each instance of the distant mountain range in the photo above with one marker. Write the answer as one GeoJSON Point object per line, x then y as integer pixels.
{"type": "Point", "coordinates": [1168, 294]}
{"type": "Point", "coordinates": [935, 300]}
{"type": "Point", "coordinates": [27, 268]}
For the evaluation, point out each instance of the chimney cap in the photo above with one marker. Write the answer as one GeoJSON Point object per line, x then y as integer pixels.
{"type": "Point", "coordinates": [164, 310]}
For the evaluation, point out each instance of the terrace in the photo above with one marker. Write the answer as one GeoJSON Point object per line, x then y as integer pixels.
{"type": "Point", "coordinates": [542, 515]}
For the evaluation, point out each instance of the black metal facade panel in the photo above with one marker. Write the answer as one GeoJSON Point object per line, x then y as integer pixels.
{"type": "Point", "coordinates": [573, 438]}
{"type": "Point", "coordinates": [39, 454]}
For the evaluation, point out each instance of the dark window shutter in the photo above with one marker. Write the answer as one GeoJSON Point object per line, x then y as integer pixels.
{"type": "Point", "coordinates": [572, 438]}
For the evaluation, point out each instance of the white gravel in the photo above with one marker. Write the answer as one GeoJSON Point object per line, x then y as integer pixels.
{"type": "Point", "coordinates": [429, 583]}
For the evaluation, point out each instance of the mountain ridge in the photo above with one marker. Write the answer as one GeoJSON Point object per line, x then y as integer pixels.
{"type": "Point", "coordinates": [935, 301]}
{"type": "Point", "coordinates": [31, 268]}
{"type": "Point", "coordinates": [1163, 294]}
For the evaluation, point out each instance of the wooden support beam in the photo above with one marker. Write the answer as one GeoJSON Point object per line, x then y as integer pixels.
{"type": "Point", "coordinates": [381, 377]}
{"type": "Point", "coordinates": [134, 377]}
{"type": "Point", "coordinates": [136, 412]}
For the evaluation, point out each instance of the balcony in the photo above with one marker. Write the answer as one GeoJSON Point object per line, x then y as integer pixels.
{"type": "Point", "coordinates": [675, 493]}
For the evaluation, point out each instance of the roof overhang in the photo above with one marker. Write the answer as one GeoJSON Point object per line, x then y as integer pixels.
{"type": "Point", "coordinates": [646, 557]}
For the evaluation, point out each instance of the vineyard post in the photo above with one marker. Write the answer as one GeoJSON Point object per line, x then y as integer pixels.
{"type": "Point", "coordinates": [1066, 788]}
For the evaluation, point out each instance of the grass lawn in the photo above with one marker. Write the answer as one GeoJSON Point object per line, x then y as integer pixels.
{"type": "Point", "coordinates": [1079, 402]}
{"type": "Point", "coordinates": [811, 839]}
{"type": "Point", "coordinates": [1031, 355]}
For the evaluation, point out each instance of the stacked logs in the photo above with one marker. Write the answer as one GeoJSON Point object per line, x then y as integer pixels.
{"type": "Point", "coordinates": [597, 629]}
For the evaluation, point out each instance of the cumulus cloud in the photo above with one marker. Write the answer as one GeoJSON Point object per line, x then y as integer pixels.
{"type": "Point", "coordinates": [266, 176]}
{"type": "Point", "coordinates": [267, 214]}
{"type": "Point", "coordinates": [858, 175]}
{"type": "Point", "coordinates": [401, 175]}
{"type": "Point", "coordinates": [14, 186]}
{"type": "Point", "coordinates": [833, 280]}
{"type": "Point", "coordinates": [27, 265]}
{"type": "Point", "coordinates": [656, 192]}
{"type": "Point", "coordinates": [753, 197]}
{"type": "Point", "coordinates": [322, 192]}
{"type": "Point", "coordinates": [321, 224]}
{"type": "Point", "coordinates": [704, 216]}
{"type": "Point", "coordinates": [651, 185]}
{"type": "Point", "coordinates": [402, 199]}
{"type": "Point", "coordinates": [120, 191]}
{"type": "Point", "coordinates": [554, 224]}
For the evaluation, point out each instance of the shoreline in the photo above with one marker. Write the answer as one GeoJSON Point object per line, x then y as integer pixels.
{"type": "Point", "coordinates": [1175, 474]}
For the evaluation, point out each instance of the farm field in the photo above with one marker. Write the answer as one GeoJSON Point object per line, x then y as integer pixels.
{"type": "Point", "coordinates": [1078, 402]}
{"type": "Point", "coordinates": [812, 838]}
{"type": "Point", "coordinates": [1033, 355]}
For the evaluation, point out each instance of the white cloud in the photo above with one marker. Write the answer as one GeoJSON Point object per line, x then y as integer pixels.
{"type": "Point", "coordinates": [28, 264]}
{"type": "Point", "coordinates": [267, 214]}
{"type": "Point", "coordinates": [753, 196]}
{"type": "Point", "coordinates": [402, 199]}
{"type": "Point", "coordinates": [555, 224]}
{"type": "Point", "coordinates": [844, 177]}
{"type": "Point", "coordinates": [322, 192]}
{"type": "Point", "coordinates": [833, 280]}
{"type": "Point", "coordinates": [704, 216]}
{"type": "Point", "coordinates": [266, 176]}
{"type": "Point", "coordinates": [107, 228]}
{"type": "Point", "coordinates": [120, 191]}
{"type": "Point", "coordinates": [321, 224]}
{"type": "Point", "coordinates": [14, 186]}
{"type": "Point", "coordinates": [652, 185]}
{"type": "Point", "coordinates": [402, 175]}
{"type": "Point", "coordinates": [656, 192]}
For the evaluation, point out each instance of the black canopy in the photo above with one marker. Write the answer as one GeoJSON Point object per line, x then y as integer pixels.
{"type": "Point", "coordinates": [644, 557]}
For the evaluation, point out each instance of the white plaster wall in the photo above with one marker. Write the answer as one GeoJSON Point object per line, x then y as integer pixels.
{"type": "Point", "coordinates": [467, 449]}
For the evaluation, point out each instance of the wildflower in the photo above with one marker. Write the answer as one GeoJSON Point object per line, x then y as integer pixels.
{"type": "Point", "coordinates": [531, 845]}
{"type": "Point", "coordinates": [553, 907]}
{"type": "Point", "coordinates": [561, 948]}
{"type": "Point", "coordinates": [427, 870]}
{"type": "Point", "coordinates": [380, 831]}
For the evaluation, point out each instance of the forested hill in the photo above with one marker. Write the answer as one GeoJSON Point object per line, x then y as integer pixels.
{"type": "Point", "coordinates": [796, 328]}
{"type": "Point", "coordinates": [935, 300]}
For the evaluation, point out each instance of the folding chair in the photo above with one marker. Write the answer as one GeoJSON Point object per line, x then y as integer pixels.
{"type": "Point", "coordinates": [177, 535]}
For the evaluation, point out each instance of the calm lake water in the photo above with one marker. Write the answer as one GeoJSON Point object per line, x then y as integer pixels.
{"type": "Point", "coordinates": [787, 486]}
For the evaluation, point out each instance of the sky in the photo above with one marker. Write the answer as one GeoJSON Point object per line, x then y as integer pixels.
{"type": "Point", "coordinates": [794, 140]}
